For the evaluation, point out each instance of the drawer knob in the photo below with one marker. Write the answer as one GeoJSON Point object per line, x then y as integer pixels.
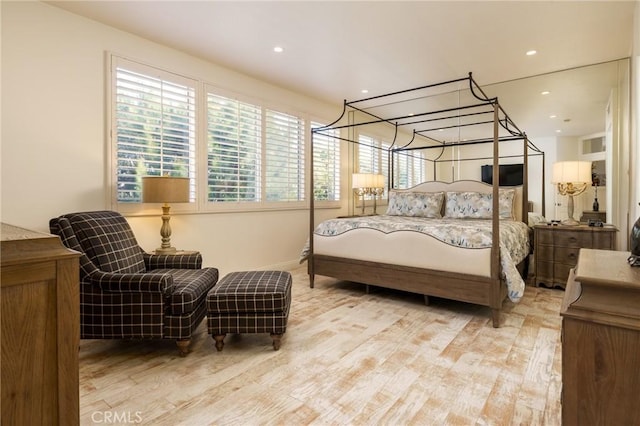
{"type": "Point", "coordinates": [572, 256]}
{"type": "Point", "coordinates": [573, 239]}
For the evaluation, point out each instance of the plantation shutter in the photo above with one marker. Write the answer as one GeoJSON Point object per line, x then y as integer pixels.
{"type": "Point", "coordinates": [154, 126]}
{"type": "Point", "coordinates": [284, 157]}
{"type": "Point", "coordinates": [367, 160]}
{"type": "Point", "coordinates": [326, 164]}
{"type": "Point", "coordinates": [234, 150]}
{"type": "Point", "coordinates": [402, 170]}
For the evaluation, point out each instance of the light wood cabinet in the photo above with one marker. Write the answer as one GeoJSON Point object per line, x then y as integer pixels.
{"type": "Point", "coordinates": [40, 312]}
{"type": "Point", "coordinates": [601, 341]}
{"type": "Point", "coordinates": [556, 249]}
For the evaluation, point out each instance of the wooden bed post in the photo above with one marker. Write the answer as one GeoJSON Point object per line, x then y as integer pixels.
{"type": "Point", "coordinates": [496, 301]}
{"type": "Point", "coordinates": [310, 268]}
{"type": "Point", "coordinates": [525, 181]}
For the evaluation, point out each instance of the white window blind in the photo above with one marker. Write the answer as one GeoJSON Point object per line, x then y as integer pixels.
{"type": "Point", "coordinates": [284, 157]}
{"type": "Point", "coordinates": [326, 164]}
{"type": "Point", "coordinates": [234, 140]}
{"type": "Point", "coordinates": [154, 126]}
{"type": "Point", "coordinates": [373, 157]}
{"type": "Point", "coordinates": [409, 169]}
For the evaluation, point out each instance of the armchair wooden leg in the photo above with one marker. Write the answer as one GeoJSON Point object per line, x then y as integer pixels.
{"type": "Point", "coordinates": [219, 338]}
{"type": "Point", "coordinates": [183, 346]}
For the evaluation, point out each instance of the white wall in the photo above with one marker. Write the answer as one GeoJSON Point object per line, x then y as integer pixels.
{"type": "Point", "coordinates": [54, 148]}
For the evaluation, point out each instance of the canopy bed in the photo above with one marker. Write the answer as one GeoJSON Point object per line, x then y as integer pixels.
{"type": "Point", "coordinates": [458, 240]}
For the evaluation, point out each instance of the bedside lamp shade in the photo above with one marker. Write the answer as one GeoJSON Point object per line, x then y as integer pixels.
{"type": "Point", "coordinates": [165, 189]}
{"type": "Point", "coordinates": [571, 172]}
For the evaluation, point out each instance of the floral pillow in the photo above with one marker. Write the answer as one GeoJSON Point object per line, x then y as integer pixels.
{"type": "Point", "coordinates": [415, 204]}
{"type": "Point", "coordinates": [478, 205]}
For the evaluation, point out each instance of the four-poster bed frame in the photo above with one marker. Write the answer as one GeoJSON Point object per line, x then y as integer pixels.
{"type": "Point", "coordinates": [482, 290]}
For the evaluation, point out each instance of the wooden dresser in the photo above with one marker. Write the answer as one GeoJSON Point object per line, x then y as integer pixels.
{"type": "Point", "coordinates": [601, 341]}
{"type": "Point", "coordinates": [40, 304]}
{"type": "Point", "coordinates": [556, 249]}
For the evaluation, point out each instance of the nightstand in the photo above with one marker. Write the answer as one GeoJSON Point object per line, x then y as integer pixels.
{"type": "Point", "coordinates": [556, 249]}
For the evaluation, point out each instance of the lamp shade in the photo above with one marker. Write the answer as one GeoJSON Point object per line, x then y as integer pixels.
{"type": "Point", "coordinates": [378, 181]}
{"type": "Point", "coordinates": [165, 189]}
{"type": "Point", "coordinates": [367, 180]}
{"type": "Point", "coordinates": [571, 172]}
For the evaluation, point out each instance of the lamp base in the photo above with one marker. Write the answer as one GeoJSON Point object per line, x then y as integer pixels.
{"type": "Point", "coordinates": [166, 250]}
{"type": "Point", "coordinates": [570, 222]}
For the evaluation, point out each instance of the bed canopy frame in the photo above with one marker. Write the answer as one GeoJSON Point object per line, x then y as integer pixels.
{"type": "Point", "coordinates": [440, 118]}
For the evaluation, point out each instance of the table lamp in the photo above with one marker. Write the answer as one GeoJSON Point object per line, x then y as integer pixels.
{"type": "Point", "coordinates": [368, 184]}
{"type": "Point", "coordinates": [165, 189]}
{"type": "Point", "coordinates": [571, 179]}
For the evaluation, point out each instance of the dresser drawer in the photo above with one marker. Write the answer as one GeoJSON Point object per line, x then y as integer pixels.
{"type": "Point", "coordinates": [604, 240]}
{"type": "Point", "coordinates": [573, 239]}
{"type": "Point", "coordinates": [544, 253]}
{"type": "Point", "coordinates": [566, 255]}
{"type": "Point", "coordinates": [544, 236]}
{"type": "Point", "coordinates": [561, 273]}
{"type": "Point", "coordinates": [544, 271]}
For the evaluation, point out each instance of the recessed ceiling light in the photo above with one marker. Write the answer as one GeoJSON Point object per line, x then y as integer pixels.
{"type": "Point", "coordinates": [278, 49]}
{"type": "Point", "coordinates": [558, 131]}
{"type": "Point", "coordinates": [552, 116]}
{"type": "Point", "coordinates": [546, 92]}
{"type": "Point", "coordinates": [531, 52]}
{"type": "Point", "coordinates": [364, 91]}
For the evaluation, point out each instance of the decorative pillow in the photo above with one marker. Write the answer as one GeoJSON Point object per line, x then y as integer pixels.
{"type": "Point", "coordinates": [415, 204]}
{"type": "Point", "coordinates": [506, 198]}
{"type": "Point", "coordinates": [478, 205]}
{"type": "Point", "coordinates": [536, 218]}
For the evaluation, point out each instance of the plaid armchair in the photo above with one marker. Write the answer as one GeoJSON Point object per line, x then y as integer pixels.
{"type": "Point", "coordinates": [126, 293]}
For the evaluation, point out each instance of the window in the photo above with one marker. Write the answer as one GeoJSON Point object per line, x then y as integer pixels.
{"type": "Point", "coordinates": [284, 157]}
{"type": "Point", "coordinates": [326, 164]}
{"type": "Point", "coordinates": [373, 157]}
{"type": "Point", "coordinates": [235, 151]}
{"type": "Point", "coordinates": [234, 140]}
{"type": "Point", "coordinates": [408, 168]}
{"type": "Point", "coordinates": [154, 127]}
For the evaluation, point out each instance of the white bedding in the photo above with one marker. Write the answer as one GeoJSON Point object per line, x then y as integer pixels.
{"type": "Point", "coordinates": [455, 245]}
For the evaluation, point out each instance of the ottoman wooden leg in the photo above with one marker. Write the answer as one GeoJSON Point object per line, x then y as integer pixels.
{"type": "Point", "coordinates": [183, 346]}
{"type": "Point", "coordinates": [219, 338]}
{"type": "Point", "coordinates": [276, 340]}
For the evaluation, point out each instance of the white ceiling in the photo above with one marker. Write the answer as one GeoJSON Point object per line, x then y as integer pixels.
{"type": "Point", "coordinates": [333, 50]}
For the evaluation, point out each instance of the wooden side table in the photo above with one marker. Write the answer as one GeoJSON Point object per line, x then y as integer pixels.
{"type": "Point", "coordinates": [601, 341]}
{"type": "Point", "coordinates": [556, 249]}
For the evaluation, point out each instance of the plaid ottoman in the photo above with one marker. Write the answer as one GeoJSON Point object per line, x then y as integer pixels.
{"type": "Point", "coordinates": [249, 302]}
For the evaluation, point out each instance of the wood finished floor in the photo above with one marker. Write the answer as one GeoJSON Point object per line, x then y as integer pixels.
{"type": "Point", "coordinates": [347, 358]}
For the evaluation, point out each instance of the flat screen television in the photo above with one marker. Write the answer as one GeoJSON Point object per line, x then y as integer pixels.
{"type": "Point", "coordinates": [510, 174]}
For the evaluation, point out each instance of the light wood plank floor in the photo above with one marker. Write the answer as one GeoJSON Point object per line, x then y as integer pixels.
{"type": "Point", "coordinates": [347, 358]}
